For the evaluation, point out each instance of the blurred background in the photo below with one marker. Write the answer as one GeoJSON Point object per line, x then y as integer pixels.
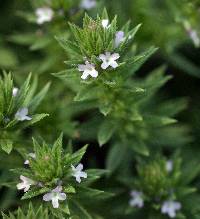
{"type": "Point", "coordinates": [25, 46]}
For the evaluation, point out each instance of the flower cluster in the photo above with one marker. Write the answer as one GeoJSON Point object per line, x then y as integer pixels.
{"type": "Point", "coordinates": [162, 193]}
{"type": "Point", "coordinates": [45, 173]}
{"type": "Point", "coordinates": [18, 104]}
{"type": "Point", "coordinates": [56, 194]}
{"type": "Point", "coordinates": [46, 14]}
{"type": "Point", "coordinates": [168, 207]}
{"type": "Point", "coordinates": [107, 59]}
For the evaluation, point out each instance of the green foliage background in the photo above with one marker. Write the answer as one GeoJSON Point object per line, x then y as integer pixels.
{"type": "Point", "coordinates": [162, 88]}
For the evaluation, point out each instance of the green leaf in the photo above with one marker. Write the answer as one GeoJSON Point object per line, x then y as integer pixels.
{"type": "Point", "coordinates": [57, 153]}
{"type": "Point", "coordinates": [67, 74]}
{"type": "Point", "coordinates": [75, 157]}
{"type": "Point", "coordinates": [79, 210]}
{"type": "Point", "coordinates": [172, 107]}
{"type": "Point", "coordinates": [158, 121]}
{"type": "Point", "coordinates": [34, 192]}
{"type": "Point", "coordinates": [69, 189]}
{"type": "Point", "coordinates": [105, 109]}
{"type": "Point", "coordinates": [34, 103]}
{"type": "Point", "coordinates": [184, 64]}
{"type": "Point", "coordinates": [133, 64]}
{"type": "Point", "coordinates": [92, 193]}
{"type": "Point", "coordinates": [105, 132]}
{"type": "Point", "coordinates": [35, 118]}
{"type": "Point", "coordinates": [139, 147]}
{"type": "Point", "coordinates": [70, 47]}
{"type": "Point", "coordinates": [21, 97]}
{"type": "Point", "coordinates": [6, 145]}
{"type": "Point", "coordinates": [116, 151]}
{"type": "Point", "coordinates": [87, 93]}
{"type": "Point", "coordinates": [41, 43]}
{"type": "Point", "coordinates": [93, 175]}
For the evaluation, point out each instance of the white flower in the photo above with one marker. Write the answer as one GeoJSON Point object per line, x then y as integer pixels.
{"type": "Point", "coordinates": [44, 14]}
{"type": "Point", "coordinates": [169, 166]}
{"type": "Point", "coordinates": [54, 196]}
{"type": "Point", "coordinates": [88, 69]}
{"type": "Point", "coordinates": [33, 155]}
{"type": "Point", "coordinates": [88, 4]}
{"type": "Point", "coordinates": [25, 184]}
{"type": "Point", "coordinates": [105, 23]}
{"type": "Point", "coordinates": [192, 33]}
{"type": "Point", "coordinates": [136, 199]}
{"type": "Point", "coordinates": [119, 38]}
{"type": "Point", "coordinates": [21, 114]}
{"type": "Point", "coordinates": [78, 173]}
{"type": "Point", "coordinates": [15, 91]}
{"type": "Point", "coordinates": [109, 60]}
{"type": "Point", "coordinates": [170, 208]}
{"type": "Point", "coordinates": [195, 38]}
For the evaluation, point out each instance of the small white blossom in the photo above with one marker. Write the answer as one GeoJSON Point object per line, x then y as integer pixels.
{"type": "Point", "coordinates": [15, 91]}
{"type": "Point", "coordinates": [170, 208]}
{"type": "Point", "coordinates": [33, 155]}
{"type": "Point", "coordinates": [88, 4]}
{"type": "Point", "coordinates": [78, 173]}
{"type": "Point", "coordinates": [169, 166]}
{"type": "Point", "coordinates": [88, 69]}
{"type": "Point", "coordinates": [21, 114]}
{"type": "Point", "coordinates": [54, 196]}
{"type": "Point", "coordinates": [25, 184]}
{"type": "Point", "coordinates": [44, 14]}
{"type": "Point", "coordinates": [105, 23]}
{"type": "Point", "coordinates": [136, 199]}
{"type": "Point", "coordinates": [192, 34]}
{"type": "Point", "coordinates": [195, 38]}
{"type": "Point", "coordinates": [119, 38]}
{"type": "Point", "coordinates": [109, 60]}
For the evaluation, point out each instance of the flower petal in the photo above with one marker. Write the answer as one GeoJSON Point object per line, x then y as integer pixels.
{"type": "Point", "coordinates": [114, 64]}
{"type": "Point", "coordinates": [79, 167]}
{"type": "Point", "coordinates": [20, 186]}
{"type": "Point", "coordinates": [55, 202]}
{"type": "Point", "coordinates": [105, 23]}
{"type": "Point", "coordinates": [83, 174]}
{"type": "Point", "coordinates": [48, 197]}
{"type": "Point", "coordinates": [94, 73]}
{"type": "Point", "coordinates": [84, 75]}
{"type": "Point", "coordinates": [62, 196]}
{"type": "Point", "coordinates": [27, 118]}
{"type": "Point", "coordinates": [102, 57]}
{"type": "Point", "coordinates": [57, 189]}
{"type": "Point", "coordinates": [24, 111]}
{"type": "Point", "coordinates": [78, 179]}
{"type": "Point", "coordinates": [81, 67]}
{"type": "Point", "coordinates": [104, 65]}
{"type": "Point", "coordinates": [115, 56]}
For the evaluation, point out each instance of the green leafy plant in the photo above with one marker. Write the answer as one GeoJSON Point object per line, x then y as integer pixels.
{"type": "Point", "coordinates": [31, 213]}
{"type": "Point", "coordinates": [110, 65]}
{"type": "Point", "coordinates": [116, 92]}
{"type": "Point", "coordinates": [57, 174]}
{"type": "Point", "coordinates": [17, 107]}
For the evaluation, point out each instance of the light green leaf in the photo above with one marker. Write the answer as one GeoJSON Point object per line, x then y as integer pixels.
{"type": "Point", "coordinates": [6, 145]}
{"type": "Point", "coordinates": [116, 151]}
{"type": "Point", "coordinates": [139, 147]}
{"type": "Point", "coordinates": [105, 132]}
{"type": "Point", "coordinates": [34, 192]}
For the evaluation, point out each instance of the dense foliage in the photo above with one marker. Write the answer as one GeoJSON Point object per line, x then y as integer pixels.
{"type": "Point", "coordinates": [117, 81]}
